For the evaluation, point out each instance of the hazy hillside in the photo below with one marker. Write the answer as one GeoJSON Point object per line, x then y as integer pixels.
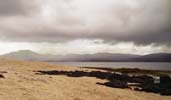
{"type": "Point", "coordinates": [158, 57]}
{"type": "Point", "coordinates": [108, 57]}
{"type": "Point", "coordinates": [30, 55]}
{"type": "Point", "coordinates": [24, 55]}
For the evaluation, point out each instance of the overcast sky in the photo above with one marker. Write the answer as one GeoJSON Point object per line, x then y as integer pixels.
{"type": "Point", "coordinates": [85, 26]}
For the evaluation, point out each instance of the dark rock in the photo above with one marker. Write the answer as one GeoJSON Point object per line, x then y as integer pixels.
{"type": "Point", "coordinates": [121, 77]}
{"type": "Point", "coordinates": [116, 84]}
{"type": "Point", "coordinates": [139, 83]}
{"type": "Point", "coordinates": [164, 87]}
{"type": "Point", "coordinates": [101, 75]}
{"type": "Point", "coordinates": [165, 84]}
{"type": "Point", "coordinates": [1, 76]}
{"type": "Point", "coordinates": [165, 79]}
{"type": "Point", "coordinates": [151, 88]}
{"type": "Point", "coordinates": [3, 72]}
{"type": "Point", "coordinates": [143, 79]}
{"type": "Point", "coordinates": [76, 74]}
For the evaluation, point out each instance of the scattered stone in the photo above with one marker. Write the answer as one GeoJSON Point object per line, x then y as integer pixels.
{"type": "Point", "coordinates": [1, 76]}
{"type": "Point", "coordinates": [3, 72]}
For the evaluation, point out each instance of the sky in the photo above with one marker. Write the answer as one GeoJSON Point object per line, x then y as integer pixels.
{"type": "Point", "coordinates": [85, 26]}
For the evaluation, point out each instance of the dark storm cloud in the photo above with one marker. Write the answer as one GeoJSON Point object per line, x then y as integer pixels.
{"type": "Point", "coordinates": [16, 7]}
{"type": "Point", "coordinates": [141, 22]}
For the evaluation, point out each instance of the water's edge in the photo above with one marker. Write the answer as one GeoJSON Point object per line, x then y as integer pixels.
{"type": "Point", "coordinates": [140, 65]}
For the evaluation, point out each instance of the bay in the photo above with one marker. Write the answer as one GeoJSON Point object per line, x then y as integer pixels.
{"type": "Point", "coordinates": [140, 65]}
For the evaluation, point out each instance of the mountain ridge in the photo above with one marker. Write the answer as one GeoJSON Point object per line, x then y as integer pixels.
{"type": "Point", "coordinates": [98, 57]}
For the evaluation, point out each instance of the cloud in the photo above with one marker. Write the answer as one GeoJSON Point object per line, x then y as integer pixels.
{"type": "Point", "coordinates": [16, 7]}
{"type": "Point", "coordinates": [142, 22]}
{"type": "Point", "coordinates": [82, 46]}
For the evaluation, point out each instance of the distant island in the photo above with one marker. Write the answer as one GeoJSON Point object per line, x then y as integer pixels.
{"type": "Point", "coordinates": [98, 57]}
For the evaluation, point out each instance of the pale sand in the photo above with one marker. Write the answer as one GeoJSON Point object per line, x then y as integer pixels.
{"type": "Point", "coordinates": [21, 83]}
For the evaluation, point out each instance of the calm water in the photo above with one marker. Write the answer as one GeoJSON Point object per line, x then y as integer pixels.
{"type": "Point", "coordinates": [141, 65]}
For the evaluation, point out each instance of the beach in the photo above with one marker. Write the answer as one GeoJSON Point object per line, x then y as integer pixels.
{"type": "Point", "coordinates": [26, 80]}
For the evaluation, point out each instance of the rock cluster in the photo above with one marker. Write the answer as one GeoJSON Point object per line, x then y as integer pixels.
{"type": "Point", "coordinates": [115, 80]}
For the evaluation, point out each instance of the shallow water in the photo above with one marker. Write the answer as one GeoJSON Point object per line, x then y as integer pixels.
{"type": "Point", "coordinates": [141, 65]}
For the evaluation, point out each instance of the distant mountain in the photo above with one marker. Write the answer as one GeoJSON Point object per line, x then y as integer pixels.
{"type": "Point", "coordinates": [99, 57]}
{"type": "Point", "coordinates": [157, 57]}
{"type": "Point", "coordinates": [23, 55]}
{"type": "Point", "coordinates": [105, 57]}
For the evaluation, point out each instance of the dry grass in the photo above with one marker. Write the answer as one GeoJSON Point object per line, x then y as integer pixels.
{"type": "Point", "coordinates": [21, 83]}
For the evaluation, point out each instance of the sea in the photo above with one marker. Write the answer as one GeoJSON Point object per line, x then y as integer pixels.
{"type": "Point", "coordinates": [141, 65]}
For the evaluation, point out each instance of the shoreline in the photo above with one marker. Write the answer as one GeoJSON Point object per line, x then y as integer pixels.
{"type": "Point", "coordinates": [133, 70]}
{"type": "Point", "coordinates": [116, 65]}
{"type": "Point", "coordinates": [42, 81]}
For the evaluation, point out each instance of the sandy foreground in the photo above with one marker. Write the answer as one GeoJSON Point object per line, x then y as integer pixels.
{"type": "Point", "coordinates": [21, 82]}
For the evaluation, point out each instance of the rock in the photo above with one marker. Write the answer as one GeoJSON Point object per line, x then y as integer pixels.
{"type": "Point", "coordinates": [164, 87]}
{"type": "Point", "coordinates": [165, 79]}
{"type": "Point", "coordinates": [3, 72]}
{"type": "Point", "coordinates": [76, 74]}
{"type": "Point", "coordinates": [1, 76]}
{"type": "Point", "coordinates": [116, 84]}
{"type": "Point", "coordinates": [99, 74]}
{"type": "Point", "coordinates": [151, 88]}
{"type": "Point", "coordinates": [143, 79]}
{"type": "Point", "coordinates": [120, 77]}
{"type": "Point", "coordinates": [165, 84]}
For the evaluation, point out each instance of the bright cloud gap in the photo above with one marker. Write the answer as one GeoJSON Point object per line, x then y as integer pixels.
{"type": "Point", "coordinates": [82, 47]}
